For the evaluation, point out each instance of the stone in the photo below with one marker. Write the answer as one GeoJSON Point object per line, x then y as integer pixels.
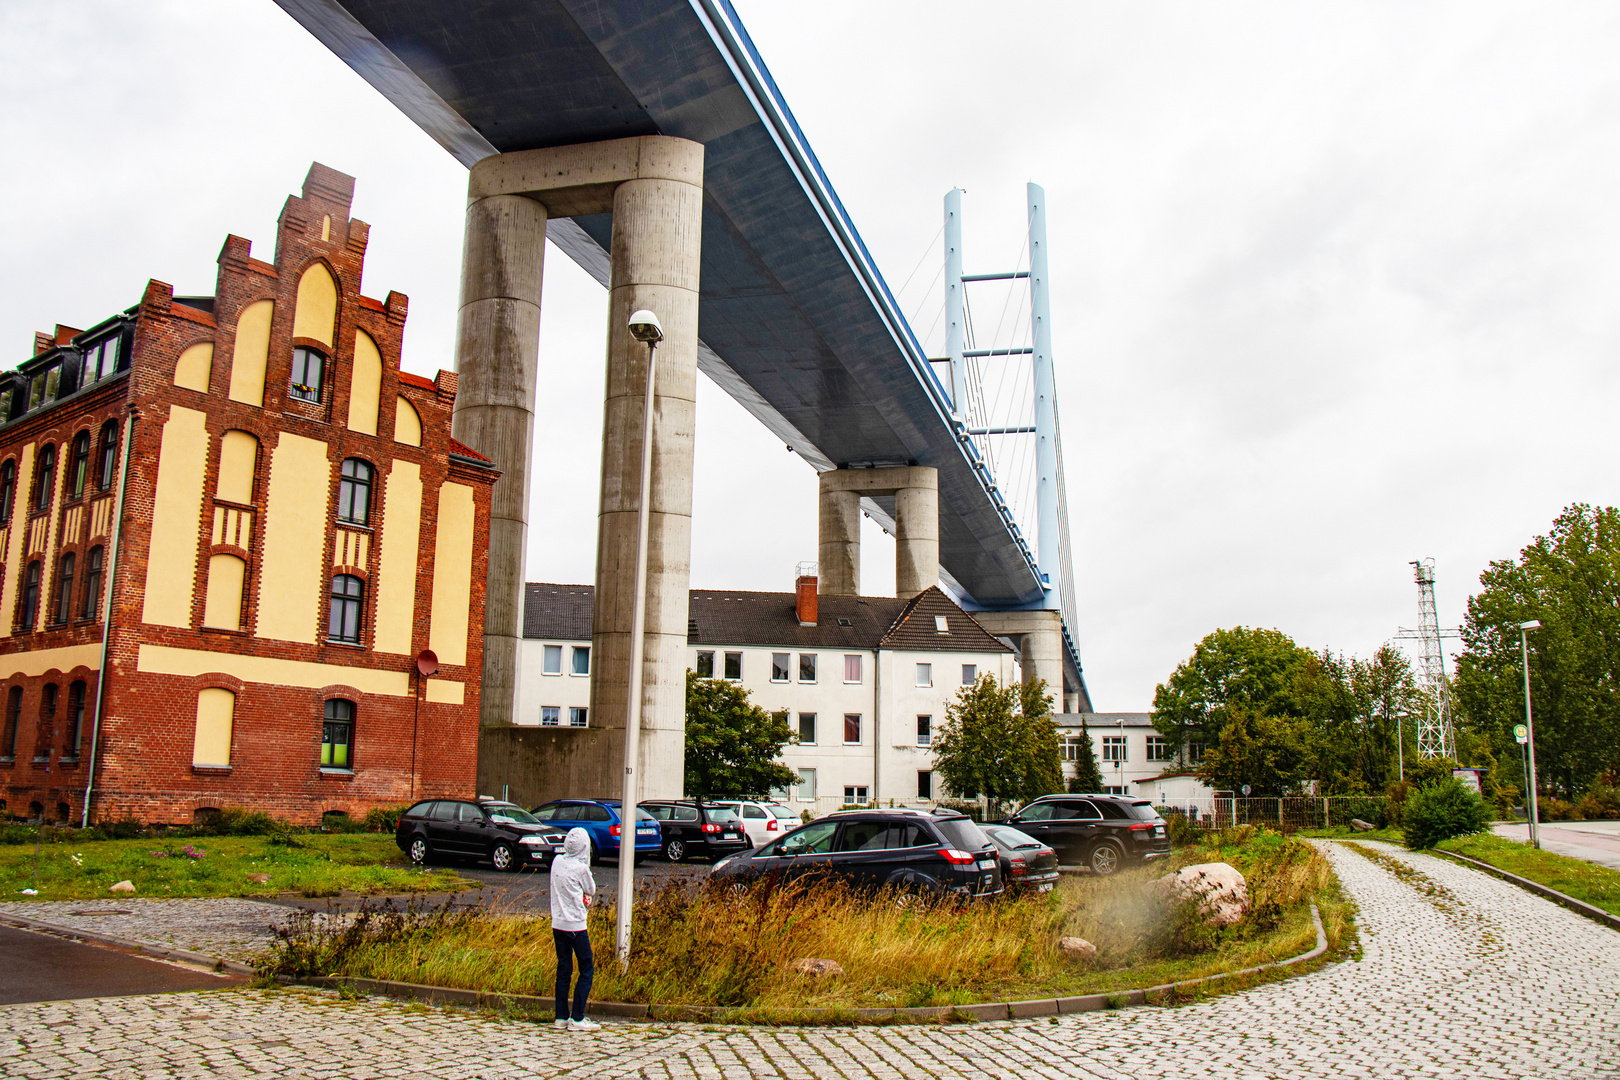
{"type": "Point", "coordinates": [1362, 826]}
{"type": "Point", "coordinates": [122, 886]}
{"type": "Point", "coordinates": [1218, 889]}
{"type": "Point", "coordinates": [821, 969]}
{"type": "Point", "coordinates": [1077, 948]}
{"type": "Point", "coordinates": [262, 879]}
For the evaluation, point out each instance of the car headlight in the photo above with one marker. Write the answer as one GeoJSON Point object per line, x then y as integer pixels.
{"type": "Point", "coordinates": [722, 862]}
{"type": "Point", "coordinates": [532, 841]}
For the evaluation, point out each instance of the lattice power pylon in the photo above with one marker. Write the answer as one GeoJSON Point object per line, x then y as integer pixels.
{"type": "Point", "coordinates": [1435, 735]}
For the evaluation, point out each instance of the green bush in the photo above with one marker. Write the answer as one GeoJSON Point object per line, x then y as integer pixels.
{"type": "Point", "coordinates": [16, 834]}
{"type": "Point", "coordinates": [125, 828]}
{"type": "Point", "coordinates": [385, 819]}
{"type": "Point", "coordinates": [1182, 833]}
{"type": "Point", "coordinates": [1552, 808]}
{"type": "Point", "coordinates": [1602, 802]}
{"type": "Point", "coordinates": [1441, 811]}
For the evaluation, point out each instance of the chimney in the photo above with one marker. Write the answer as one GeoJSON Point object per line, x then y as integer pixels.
{"type": "Point", "coordinates": [804, 593]}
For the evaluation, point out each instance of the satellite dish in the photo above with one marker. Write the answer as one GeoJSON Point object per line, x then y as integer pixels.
{"type": "Point", "coordinates": [427, 663]}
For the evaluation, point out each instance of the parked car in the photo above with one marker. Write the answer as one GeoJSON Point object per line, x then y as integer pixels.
{"type": "Point", "coordinates": [1026, 863]}
{"type": "Point", "coordinates": [920, 853]}
{"type": "Point", "coordinates": [600, 819]}
{"type": "Point", "coordinates": [691, 827]}
{"type": "Point", "coordinates": [1099, 832]}
{"type": "Point", "coordinates": [763, 821]}
{"type": "Point", "coordinates": [507, 835]}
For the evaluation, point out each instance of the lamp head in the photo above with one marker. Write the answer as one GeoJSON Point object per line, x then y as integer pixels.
{"type": "Point", "coordinates": [644, 326]}
{"type": "Point", "coordinates": [1533, 624]}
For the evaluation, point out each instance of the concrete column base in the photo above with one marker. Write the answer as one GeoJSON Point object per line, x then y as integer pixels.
{"type": "Point", "coordinates": [916, 519]}
{"type": "Point", "coordinates": [1039, 636]}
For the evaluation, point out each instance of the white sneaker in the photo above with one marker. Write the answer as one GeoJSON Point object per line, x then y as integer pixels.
{"type": "Point", "coordinates": [584, 1025]}
{"type": "Point", "coordinates": [560, 1022]}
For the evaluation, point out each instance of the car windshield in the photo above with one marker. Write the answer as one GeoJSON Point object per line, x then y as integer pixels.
{"type": "Point", "coordinates": [722, 813]}
{"type": "Point", "coordinates": [1142, 811]}
{"type": "Point", "coordinates": [507, 812]}
{"type": "Point", "coordinates": [783, 813]}
{"type": "Point", "coordinates": [1011, 839]}
{"type": "Point", "coordinates": [962, 833]}
{"type": "Point", "coordinates": [642, 815]}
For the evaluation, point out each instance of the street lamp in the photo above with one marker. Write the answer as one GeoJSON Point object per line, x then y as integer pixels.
{"type": "Point", "coordinates": [1530, 725]}
{"type": "Point", "coordinates": [644, 326]}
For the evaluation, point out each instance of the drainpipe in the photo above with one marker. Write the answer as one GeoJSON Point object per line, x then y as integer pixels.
{"type": "Point", "coordinates": [107, 615]}
{"type": "Point", "coordinates": [877, 713]}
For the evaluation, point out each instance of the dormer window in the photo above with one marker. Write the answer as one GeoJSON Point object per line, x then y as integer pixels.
{"type": "Point", "coordinates": [308, 366]}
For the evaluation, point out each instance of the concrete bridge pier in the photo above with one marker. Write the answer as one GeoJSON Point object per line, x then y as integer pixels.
{"type": "Point", "coordinates": [1039, 637]}
{"type": "Point", "coordinates": [916, 527]}
{"type": "Point", "coordinates": [653, 186]}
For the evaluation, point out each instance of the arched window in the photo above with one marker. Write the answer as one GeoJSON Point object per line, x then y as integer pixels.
{"type": "Point", "coordinates": [79, 467]}
{"type": "Point", "coordinates": [354, 492]}
{"type": "Point", "coordinates": [307, 368]}
{"type": "Point", "coordinates": [8, 488]}
{"type": "Point", "coordinates": [108, 463]}
{"type": "Point", "coordinates": [62, 611]}
{"type": "Point", "coordinates": [75, 725]}
{"type": "Point", "coordinates": [8, 743]}
{"type": "Point", "coordinates": [92, 583]}
{"type": "Point", "coordinates": [30, 597]}
{"type": "Point", "coordinates": [45, 476]}
{"type": "Point", "coordinates": [337, 735]}
{"type": "Point", "coordinates": [348, 599]}
{"type": "Point", "coordinates": [47, 721]}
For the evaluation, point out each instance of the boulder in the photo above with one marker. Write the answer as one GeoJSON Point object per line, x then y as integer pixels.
{"type": "Point", "coordinates": [262, 879]}
{"type": "Point", "coordinates": [1362, 826]}
{"type": "Point", "coordinates": [1076, 948]}
{"type": "Point", "coordinates": [122, 886]}
{"type": "Point", "coordinates": [1218, 889]}
{"type": "Point", "coordinates": [819, 968]}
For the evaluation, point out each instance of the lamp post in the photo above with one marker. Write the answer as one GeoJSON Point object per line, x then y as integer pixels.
{"type": "Point", "coordinates": [644, 326]}
{"type": "Point", "coordinates": [1530, 725]}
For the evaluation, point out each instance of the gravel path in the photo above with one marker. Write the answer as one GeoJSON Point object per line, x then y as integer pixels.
{"type": "Point", "coordinates": [1461, 975]}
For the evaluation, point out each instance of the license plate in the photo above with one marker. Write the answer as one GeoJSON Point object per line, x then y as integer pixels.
{"type": "Point", "coordinates": [986, 865]}
{"type": "Point", "coordinates": [1158, 830]}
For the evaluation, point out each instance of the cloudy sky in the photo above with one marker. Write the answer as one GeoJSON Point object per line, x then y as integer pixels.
{"type": "Point", "coordinates": [1335, 286]}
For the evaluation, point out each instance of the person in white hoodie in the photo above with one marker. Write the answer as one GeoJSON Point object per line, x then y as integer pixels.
{"type": "Point", "coordinates": [572, 890]}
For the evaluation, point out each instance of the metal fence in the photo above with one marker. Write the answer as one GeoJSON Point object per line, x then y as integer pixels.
{"type": "Point", "coordinates": [1284, 814]}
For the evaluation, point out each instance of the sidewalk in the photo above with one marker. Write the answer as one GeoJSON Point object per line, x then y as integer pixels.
{"type": "Point", "coordinates": [1594, 841]}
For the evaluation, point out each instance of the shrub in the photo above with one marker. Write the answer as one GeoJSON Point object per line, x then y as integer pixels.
{"type": "Point", "coordinates": [1552, 808]}
{"type": "Point", "coordinates": [1182, 832]}
{"type": "Point", "coordinates": [1603, 801]}
{"type": "Point", "coordinates": [385, 819]}
{"type": "Point", "coordinates": [1396, 795]}
{"type": "Point", "coordinates": [1441, 811]}
{"type": "Point", "coordinates": [125, 828]}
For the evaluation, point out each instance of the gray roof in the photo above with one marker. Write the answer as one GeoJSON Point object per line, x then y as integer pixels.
{"type": "Point", "coordinates": [1098, 720]}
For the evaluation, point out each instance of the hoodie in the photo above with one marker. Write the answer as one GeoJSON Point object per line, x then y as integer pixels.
{"type": "Point", "coordinates": [571, 882]}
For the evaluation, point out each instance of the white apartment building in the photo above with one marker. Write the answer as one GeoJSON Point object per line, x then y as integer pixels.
{"type": "Point", "coordinates": [865, 684]}
{"type": "Point", "coordinates": [1132, 756]}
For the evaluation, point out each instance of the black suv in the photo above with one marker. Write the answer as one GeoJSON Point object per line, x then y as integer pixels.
{"type": "Point", "coordinates": [690, 827]}
{"type": "Point", "coordinates": [941, 853]}
{"type": "Point", "coordinates": [507, 835]}
{"type": "Point", "coordinates": [1100, 832]}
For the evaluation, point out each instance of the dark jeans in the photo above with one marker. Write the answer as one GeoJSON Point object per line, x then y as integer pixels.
{"type": "Point", "coordinates": [571, 943]}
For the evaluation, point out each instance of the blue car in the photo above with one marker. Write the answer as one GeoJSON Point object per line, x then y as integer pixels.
{"type": "Point", "coordinates": [600, 818]}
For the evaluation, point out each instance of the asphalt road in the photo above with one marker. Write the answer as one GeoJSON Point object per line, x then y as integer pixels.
{"type": "Point", "coordinates": [43, 967]}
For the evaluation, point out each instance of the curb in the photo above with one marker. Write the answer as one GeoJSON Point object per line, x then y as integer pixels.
{"type": "Point", "coordinates": [1579, 907]}
{"type": "Point", "coordinates": [998, 1010]}
{"type": "Point", "coordinates": [214, 963]}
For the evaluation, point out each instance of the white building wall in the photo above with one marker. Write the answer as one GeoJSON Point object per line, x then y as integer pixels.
{"type": "Point", "coordinates": [537, 689]}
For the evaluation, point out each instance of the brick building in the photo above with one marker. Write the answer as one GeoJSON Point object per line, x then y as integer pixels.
{"type": "Point", "coordinates": [241, 510]}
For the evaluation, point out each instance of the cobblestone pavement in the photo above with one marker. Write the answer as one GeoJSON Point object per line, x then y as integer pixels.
{"type": "Point", "coordinates": [233, 929]}
{"type": "Point", "coordinates": [1461, 975]}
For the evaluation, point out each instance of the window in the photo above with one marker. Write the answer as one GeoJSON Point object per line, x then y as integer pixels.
{"type": "Point", "coordinates": [337, 735]}
{"type": "Point", "coordinates": [1071, 748]}
{"type": "Point", "coordinates": [5, 404]}
{"type": "Point", "coordinates": [705, 665]}
{"type": "Point", "coordinates": [925, 784]}
{"type": "Point", "coordinates": [45, 476]}
{"type": "Point", "coordinates": [548, 715]}
{"type": "Point", "coordinates": [1195, 753]}
{"type": "Point", "coordinates": [582, 660]}
{"type": "Point", "coordinates": [30, 597]}
{"type": "Point", "coordinates": [216, 716]}
{"type": "Point", "coordinates": [552, 662]}
{"type": "Point", "coordinates": [348, 597]}
{"type": "Point", "coordinates": [941, 625]}
{"type": "Point", "coordinates": [75, 728]}
{"type": "Point", "coordinates": [807, 729]}
{"type": "Point", "coordinates": [47, 720]}
{"type": "Point", "coordinates": [109, 455]}
{"type": "Point", "coordinates": [307, 365]}
{"type": "Point", "coordinates": [1157, 748]}
{"type": "Point", "coordinates": [8, 742]}
{"type": "Point", "coordinates": [576, 717]}
{"type": "Point", "coordinates": [925, 674]}
{"type": "Point", "coordinates": [92, 584]}
{"type": "Point", "coordinates": [79, 467]}
{"type": "Point", "coordinates": [852, 727]}
{"type": "Point", "coordinates": [36, 390]}
{"type": "Point", "coordinates": [1114, 748]}
{"type": "Point", "coordinates": [8, 489]}
{"type": "Point", "coordinates": [852, 669]}
{"type": "Point", "coordinates": [734, 666]}
{"type": "Point", "coordinates": [854, 794]}
{"type": "Point", "coordinates": [108, 358]}
{"type": "Point", "coordinates": [925, 730]}
{"type": "Point", "coordinates": [354, 492]}
{"type": "Point", "coordinates": [62, 610]}
{"type": "Point", "coordinates": [807, 667]}
{"type": "Point", "coordinates": [781, 666]}
{"type": "Point", "coordinates": [970, 674]}
{"type": "Point", "coordinates": [1113, 789]}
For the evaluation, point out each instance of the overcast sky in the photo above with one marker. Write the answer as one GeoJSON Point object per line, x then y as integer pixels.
{"type": "Point", "coordinates": [1334, 286]}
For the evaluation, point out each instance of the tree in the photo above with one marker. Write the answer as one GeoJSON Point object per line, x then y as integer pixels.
{"type": "Point", "coordinates": [1253, 669]}
{"type": "Point", "coordinates": [1269, 753]}
{"type": "Point", "coordinates": [732, 745]}
{"type": "Point", "coordinates": [1570, 581]}
{"type": "Point", "coordinates": [1087, 774]}
{"type": "Point", "coordinates": [1386, 698]}
{"type": "Point", "coordinates": [999, 742]}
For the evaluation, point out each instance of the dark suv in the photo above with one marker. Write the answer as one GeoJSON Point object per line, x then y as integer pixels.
{"type": "Point", "coordinates": [506, 835]}
{"type": "Point", "coordinates": [690, 827]}
{"type": "Point", "coordinates": [1100, 832]}
{"type": "Point", "coordinates": [941, 853]}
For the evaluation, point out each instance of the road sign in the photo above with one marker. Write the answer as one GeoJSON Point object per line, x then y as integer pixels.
{"type": "Point", "coordinates": [1521, 733]}
{"type": "Point", "coordinates": [1245, 789]}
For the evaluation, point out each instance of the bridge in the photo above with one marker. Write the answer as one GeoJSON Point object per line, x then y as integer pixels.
{"type": "Point", "coordinates": [656, 123]}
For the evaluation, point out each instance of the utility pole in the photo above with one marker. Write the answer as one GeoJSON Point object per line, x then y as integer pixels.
{"type": "Point", "coordinates": [1436, 737]}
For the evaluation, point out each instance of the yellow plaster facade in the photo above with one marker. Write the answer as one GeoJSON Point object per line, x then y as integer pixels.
{"type": "Point", "coordinates": [316, 313]}
{"type": "Point", "coordinates": [222, 604]}
{"type": "Point", "coordinates": [396, 562]}
{"type": "Point", "coordinates": [176, 513]}
{"type": "Point", "coordinates": [292, 579]}
{"type": "Point", "coordinates": [252, 352]}
{"type": "Point", "coordinates": [452, 574]}
{"type": "Point", "coordinates": [238, 458]}
{"type": "Point", "coordinates": [365, 384]}
{"type": "Point", "coordinates": [195, 367]}
{"type": "Point", "coordinates": [216, 715]}
{"type": "Point", "coordinates": [14, 545]}
{"type": "Point", "coordinates": [407, 424]}
{"type": "Point", "coordinates": [168, 660]}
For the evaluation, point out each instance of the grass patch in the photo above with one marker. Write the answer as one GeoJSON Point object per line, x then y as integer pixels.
{"type": "Point", "coordinates": [707, 947]}
{"type": "Point", "coordinates": [321, 865]}
{"type": "Point", "coordinates": [1588, 882]}
{"type": "Point", "coordinates": [1345, 832]}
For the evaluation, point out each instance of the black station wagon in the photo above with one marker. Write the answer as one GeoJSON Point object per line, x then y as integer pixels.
{"type": "Point", "coordinates": [1099, 832]}
{"type": "Point", "coordinates": [507, 835]}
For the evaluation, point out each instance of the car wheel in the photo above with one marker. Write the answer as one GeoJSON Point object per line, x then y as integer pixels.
{"type": "Point", "coordinates": [675, 850]}
{"type": "Point", "coordinates": [911, 900]}
{"type": "Point", "coordinates": [419, 850]}
{"type": "Point", "coordinates": [1104, 859]}
{"type": "Point", "coordinates": [596, 856]}
{"type": "Point", "coordinates": [503, 856]}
